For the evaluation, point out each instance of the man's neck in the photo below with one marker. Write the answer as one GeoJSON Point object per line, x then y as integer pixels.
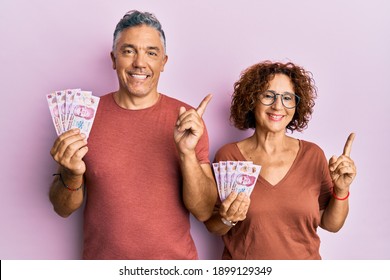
{"type": "Point", "coordinates": [134, 102]}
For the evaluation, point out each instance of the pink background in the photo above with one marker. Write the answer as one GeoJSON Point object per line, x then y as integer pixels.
{"type": "Point", "coordinates": [51, 45]}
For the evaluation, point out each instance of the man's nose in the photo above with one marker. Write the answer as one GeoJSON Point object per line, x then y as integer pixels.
{"type": "Point", "coordinates": [139, 61]}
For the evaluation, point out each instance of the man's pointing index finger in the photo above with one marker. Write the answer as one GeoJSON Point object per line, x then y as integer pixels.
{"type": "Point", "coordinates": [202, 106]}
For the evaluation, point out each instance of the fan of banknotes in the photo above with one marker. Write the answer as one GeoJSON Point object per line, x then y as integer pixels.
{"type": "Point", "coordinates": [72, 108]}
{"type": "Point", "coordinates": [237, 176]}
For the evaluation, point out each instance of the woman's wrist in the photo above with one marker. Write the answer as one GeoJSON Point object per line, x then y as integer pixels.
{"type": "Point", "coordinates": [227, 222]}
{"type": "Point", "coordinates": [340, 194]}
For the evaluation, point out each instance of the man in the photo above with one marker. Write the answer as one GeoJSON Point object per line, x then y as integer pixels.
{"type": "Point", "coordinates": [145, 165]}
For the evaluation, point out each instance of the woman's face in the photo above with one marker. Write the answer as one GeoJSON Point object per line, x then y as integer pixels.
{"type": "Point", "coordinates": [275, 117]}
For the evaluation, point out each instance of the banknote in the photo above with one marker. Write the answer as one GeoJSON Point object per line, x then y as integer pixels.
{"type": "Point", "coordinates": [70, 93]}
{"type": "Point", "coordinates": [237, 176]}
{"type": "Point", "coordinates": [72, 108]}
{"type": "Point", "coordinates": [222, 175]}
{"type": "Point", "coordinates": [217, 176]}
{"type": "Point", "coordinates": [53, 107]}
{"type": "Point", "coordinates": [245, 178]}
{"type": "Point", "coordinates": [231, 167]}
{"type": "Point", "coordinates": [61, 99]}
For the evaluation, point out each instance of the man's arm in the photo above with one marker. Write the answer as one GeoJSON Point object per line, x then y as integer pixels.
{"type": "Point", "coordinates": [66, 192]}
{"type": "Point", "coordinates": [64, 195]}
{"type": "Point", "coordinates": [199, 188]}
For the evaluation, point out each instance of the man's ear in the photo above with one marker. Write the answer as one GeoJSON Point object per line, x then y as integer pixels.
{"type": "Point", "coordinates": [113, 59]}
{"type": "Point", "coordinates": [164, 62]}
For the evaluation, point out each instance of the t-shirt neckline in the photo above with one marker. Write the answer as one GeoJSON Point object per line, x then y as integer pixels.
{"type": "Point", "coordinates": [285, 177]}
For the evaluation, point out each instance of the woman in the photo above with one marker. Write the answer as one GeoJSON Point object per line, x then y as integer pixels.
{"type": "Point", "coordinates": [297, 189]}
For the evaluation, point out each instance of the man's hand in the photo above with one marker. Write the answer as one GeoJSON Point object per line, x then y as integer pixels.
{"type": "Point", "coordinates": [68, 151]}
{"type": "Point", "coordinates": [189, 126]}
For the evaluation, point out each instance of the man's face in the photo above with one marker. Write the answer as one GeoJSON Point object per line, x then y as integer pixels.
{"type": "Point", "coordinates": [138, 59]}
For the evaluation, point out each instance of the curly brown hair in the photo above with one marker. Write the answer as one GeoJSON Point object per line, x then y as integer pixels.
{"type": "Point", "coordinates": [255, 80]}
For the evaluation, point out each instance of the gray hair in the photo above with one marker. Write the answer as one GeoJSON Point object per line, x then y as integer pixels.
{"type": "Point", "coordinates": [136, 18]}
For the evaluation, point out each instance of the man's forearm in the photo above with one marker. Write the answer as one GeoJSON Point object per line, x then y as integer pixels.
{"type": "Point", "coordinates": [66, 194]}
{"type": "Point", "coordinates": [199, 189]}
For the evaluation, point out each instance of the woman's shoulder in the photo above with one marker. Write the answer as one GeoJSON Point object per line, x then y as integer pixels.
{"type": "Point", "coordinates": [227, 152]}
{"type": "Point", "coordinates": [308, 146]}
{"type": "Point", "coordinates": [228, 147]}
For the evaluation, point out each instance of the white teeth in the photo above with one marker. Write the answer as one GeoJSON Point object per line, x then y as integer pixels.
{"type": "Point", "coordinates": [141, 77]}
{"type": "Point", "coordinates": [275, 117]}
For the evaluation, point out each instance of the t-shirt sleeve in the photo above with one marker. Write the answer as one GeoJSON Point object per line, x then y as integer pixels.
{"type": "Point", "coordinates": [202, 148]}
{"type": "Point", "coordinates": [326, 183]}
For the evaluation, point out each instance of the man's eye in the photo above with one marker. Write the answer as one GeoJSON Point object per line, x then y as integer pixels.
{"type": "Point", "coordinates": [152, 53]}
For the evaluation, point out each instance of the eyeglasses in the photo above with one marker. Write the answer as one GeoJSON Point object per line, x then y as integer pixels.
{"type": "Point", "coordinates": [289, 100]}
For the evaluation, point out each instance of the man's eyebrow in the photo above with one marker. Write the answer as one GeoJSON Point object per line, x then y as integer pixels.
{"type": "Point", "coordinates": [155, 48]}
{"type": "Point", "coordinates": [124, 46]}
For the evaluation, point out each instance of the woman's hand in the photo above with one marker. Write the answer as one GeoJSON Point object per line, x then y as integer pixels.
{"type": "Point", "coordinates": [343, 169]}
{"type": "Point", "coordinates": [235, 207]}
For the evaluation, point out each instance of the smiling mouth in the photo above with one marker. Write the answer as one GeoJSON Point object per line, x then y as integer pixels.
{"type": "Point", "coordinates": [275, 117]}
{"type": "Point", "coordinates": [139, 76]}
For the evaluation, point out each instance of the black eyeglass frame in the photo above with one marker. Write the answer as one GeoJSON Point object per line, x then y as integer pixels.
{"type": "Point", "coordinates": [297, 98]}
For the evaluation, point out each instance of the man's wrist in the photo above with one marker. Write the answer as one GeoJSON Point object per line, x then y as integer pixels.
{"type": "Point", "coordinates": [69, 180]}
{"type": "Point", "coordinates": [189, 155]}
{"type": "Point", "coordinates": [62, 182]}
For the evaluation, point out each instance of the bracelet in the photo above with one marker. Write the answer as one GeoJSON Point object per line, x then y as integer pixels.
{"type": "Point", "coordinates": [339, 198]}
{"type": "Point", "coordinates": [65, 185]}
{"type": "Point", "coordinates": [228, 223]}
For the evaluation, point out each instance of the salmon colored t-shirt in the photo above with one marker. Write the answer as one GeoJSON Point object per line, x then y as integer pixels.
{"type": "Point", "coordinates": [282, 219]}
{"type": "Point", "coordinates": [134, 207]}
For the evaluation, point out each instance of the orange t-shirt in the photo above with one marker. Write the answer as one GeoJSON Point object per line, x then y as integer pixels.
{"type": "Point", "coordinates": [134, 207]}
{"type": "Point", "coordinates": [282, 220]}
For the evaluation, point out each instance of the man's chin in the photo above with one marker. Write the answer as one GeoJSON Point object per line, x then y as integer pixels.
{"type": "Point", "coordinates": [139, 92]}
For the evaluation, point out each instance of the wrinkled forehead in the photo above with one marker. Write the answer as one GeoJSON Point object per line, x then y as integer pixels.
{"type": "Point", "coordinates": [140, 35]}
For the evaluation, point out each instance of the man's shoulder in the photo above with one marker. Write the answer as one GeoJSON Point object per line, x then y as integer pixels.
{"type": "Point", "coordinates": [106, 95]}
{"type": "Point", "coordinates": [174, 101]}
{"type": "Point", "coordinates": [105, 98]}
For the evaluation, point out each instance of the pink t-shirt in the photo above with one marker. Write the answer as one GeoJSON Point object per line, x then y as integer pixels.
{"type": "Point", "coordinates": [134, 207]}
{"type": "Point", "coordinates": [282, 220]}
